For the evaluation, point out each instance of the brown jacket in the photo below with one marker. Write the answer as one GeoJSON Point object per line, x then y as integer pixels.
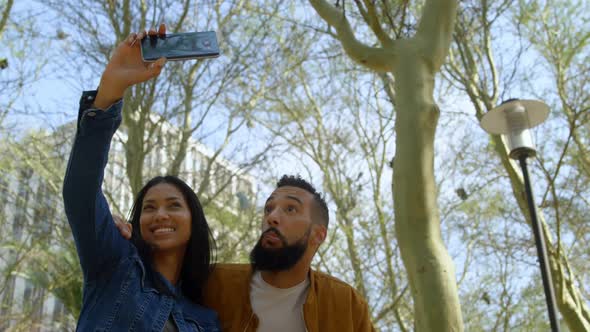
{"type": "Point", "coordinates": [331, 304]}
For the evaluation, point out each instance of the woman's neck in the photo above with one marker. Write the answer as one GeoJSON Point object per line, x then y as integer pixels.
{"type": "Point", "coordinates": [169, 264]}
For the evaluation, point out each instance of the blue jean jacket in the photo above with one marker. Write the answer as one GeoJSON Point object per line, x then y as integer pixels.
{"type": "Point", "coordinates": [118, 295]}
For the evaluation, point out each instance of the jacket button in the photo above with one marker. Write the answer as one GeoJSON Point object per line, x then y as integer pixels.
{"type": "Point", "coordinates": [92, 113]}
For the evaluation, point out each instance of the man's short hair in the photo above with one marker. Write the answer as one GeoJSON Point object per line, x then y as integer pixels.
{"type": "Point", "coordinates": [320, 212]}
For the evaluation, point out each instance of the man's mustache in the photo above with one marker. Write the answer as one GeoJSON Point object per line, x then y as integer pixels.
{"type": "Point", "coordinates": [276, 232]}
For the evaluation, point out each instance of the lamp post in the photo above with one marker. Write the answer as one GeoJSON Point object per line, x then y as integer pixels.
{"type": "Point", "coordinates": [513, 119]}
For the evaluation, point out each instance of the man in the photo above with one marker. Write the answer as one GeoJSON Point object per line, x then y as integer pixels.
{"type": "Point", "coordinates": [278, 291]}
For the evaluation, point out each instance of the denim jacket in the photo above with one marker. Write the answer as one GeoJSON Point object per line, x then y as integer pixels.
{"type": "Point", "coordinates": [118, 293]}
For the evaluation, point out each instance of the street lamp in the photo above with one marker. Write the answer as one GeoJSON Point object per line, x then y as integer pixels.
{"type": "Point", "coordinates": [513, 119]}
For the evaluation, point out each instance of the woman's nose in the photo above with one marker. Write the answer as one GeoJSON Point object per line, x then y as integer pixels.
{"type": "Point", "coordinates": [161, 214]}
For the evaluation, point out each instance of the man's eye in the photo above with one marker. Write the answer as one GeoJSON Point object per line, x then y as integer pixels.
{"type": "Point", "coordinates": [291, 209]}
{"type": "Point", "coordinates": [267, 209]}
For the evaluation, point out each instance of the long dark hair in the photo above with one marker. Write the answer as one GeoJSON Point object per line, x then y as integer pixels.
{"type": "Point", "coordinates": [200, 251]}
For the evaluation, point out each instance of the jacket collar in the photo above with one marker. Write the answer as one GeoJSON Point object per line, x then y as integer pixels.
{"type": "Point", "coordinates": [311, 304]}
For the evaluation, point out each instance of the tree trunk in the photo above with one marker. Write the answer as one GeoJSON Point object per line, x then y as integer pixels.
{"type": "Point", "coordinates": [414, 62]}
{"type": "Point", "coordinates": [135, 146]}
{"type": "Point", "coordinates": [417, 221]}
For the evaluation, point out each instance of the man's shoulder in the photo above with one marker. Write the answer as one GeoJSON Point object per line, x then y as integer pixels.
{"type": "Point", "coordinates": [231, 270]}
{"type": "Point", "coordinates": [227, 293]}
{"type": "Point", "coordinates": [233, 267]}
{"type": "Point", "coordinates": [323, 277]}
{"type": "Point", "coordinates": [227, 279]}
{"type": "Point", "coordinates": [328, 283]}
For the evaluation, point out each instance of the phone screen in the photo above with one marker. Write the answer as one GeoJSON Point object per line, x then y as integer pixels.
{"type": "Point", "coordinates": [180, 46]}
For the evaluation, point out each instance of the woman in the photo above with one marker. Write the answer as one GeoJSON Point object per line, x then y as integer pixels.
{"type": "Point", "coordinates": [154, 282]}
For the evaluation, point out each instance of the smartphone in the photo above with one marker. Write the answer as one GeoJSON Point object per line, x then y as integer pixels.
{"type": "Point", "coordinates": [180, 46]}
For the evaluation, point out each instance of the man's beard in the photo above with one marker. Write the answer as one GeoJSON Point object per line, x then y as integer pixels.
{"type": "Point", "coordinates": [278, 259]}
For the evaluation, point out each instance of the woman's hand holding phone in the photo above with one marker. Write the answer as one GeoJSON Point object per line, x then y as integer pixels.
{"type": "Point", "coordinates": [126, 68]}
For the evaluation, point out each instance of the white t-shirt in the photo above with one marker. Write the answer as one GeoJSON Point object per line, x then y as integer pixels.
{"type": "Point", "coordinates": [278, 309]}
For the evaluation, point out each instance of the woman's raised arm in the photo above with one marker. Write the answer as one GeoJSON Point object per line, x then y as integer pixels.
{"type": "Point", "coordinates": [97, 240]}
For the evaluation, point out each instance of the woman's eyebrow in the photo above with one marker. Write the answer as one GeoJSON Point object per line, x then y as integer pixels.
{"type": "Point", "coordinates": [171, 198]}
